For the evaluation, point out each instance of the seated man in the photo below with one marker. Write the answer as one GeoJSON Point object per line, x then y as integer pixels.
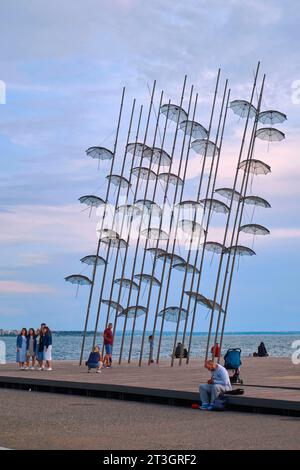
{"type": "Point", "coordinates": [94, 361]}
{"type": "Point", "coordinates": [218, 384]}
{"type": "Point", "coordinates": [180, 351]}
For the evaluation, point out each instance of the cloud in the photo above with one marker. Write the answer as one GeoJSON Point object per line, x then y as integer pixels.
{"type": "Point", "coordinates": [20, 287]}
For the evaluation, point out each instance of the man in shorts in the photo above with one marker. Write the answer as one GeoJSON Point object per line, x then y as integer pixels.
{"type": "Point", "coordinates": [108, 342]}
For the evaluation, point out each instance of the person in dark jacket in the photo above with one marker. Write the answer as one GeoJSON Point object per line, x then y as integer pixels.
{"type": "Point", "coordinates": [262, 351]}
{"type": "Point", "coordinates": [48, 347]}
{"type": "Point", "coordinates": [94, 361]}
{"type": "Point", "coordinates": [31, 348]}
{"type": "Point", "coordinates": [180, 351]}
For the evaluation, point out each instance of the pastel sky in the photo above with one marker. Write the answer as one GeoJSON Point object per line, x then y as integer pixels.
{"type": "Point", "coordinates": [64, 64]}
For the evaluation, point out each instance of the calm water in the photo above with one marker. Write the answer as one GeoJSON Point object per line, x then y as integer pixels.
{"type": "Point", "coordinates": [66, 345]}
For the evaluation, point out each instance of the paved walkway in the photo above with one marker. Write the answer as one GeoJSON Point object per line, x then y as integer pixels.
{"type": "Point", "coordinates": [70, 422]}
{"type": "Point", "coordinates": [268, 372]}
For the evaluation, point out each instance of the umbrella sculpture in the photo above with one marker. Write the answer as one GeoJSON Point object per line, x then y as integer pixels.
{"type": "Point", "coordinates": [173, 112]}
{"type": "Point", "coordinates": [242, 108]}
{"type": "Point", "coordinates": [175, 178]}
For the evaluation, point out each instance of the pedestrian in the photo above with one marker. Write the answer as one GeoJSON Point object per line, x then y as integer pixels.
{"type": "Point", "coordinates": [216, 385]}
{"type": "Point", "coordinates": [108, 342]}
{"type": "Point", "coordinates": [151, 345]}
{"type": "Point", "coordinates": [31, 348]}
{"type": "Point", "coordinates": [48, 347]}
{"type": "Point", "coordinates": [22, 348]}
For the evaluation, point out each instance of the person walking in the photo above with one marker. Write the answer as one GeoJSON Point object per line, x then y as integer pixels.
{"type": "Point", "coordinates": [48, 347]}
{"type": "Point", "coordinates": [22, 348]}
{"type": "Point", "coordinates": [31, 348]}
{"type": "Point", "coordinates": [216, 385]}
{"type": "Point", "coordinates": [151, 345]}
{"type": "Point", "coordinates": [108, 342]}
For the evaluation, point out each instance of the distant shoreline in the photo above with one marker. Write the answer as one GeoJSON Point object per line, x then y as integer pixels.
{"type": "Point", "coordinates": [167, 333]}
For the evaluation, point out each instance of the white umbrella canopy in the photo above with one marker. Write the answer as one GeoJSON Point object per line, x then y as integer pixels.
{"type": "Point", "coordinates": [108, 233]}
{"type": "Point", "coordinates": [92, 200]}
{"type": "Point", "coordinates": [126, 283]}
{"type": "Point", "coordinates": [172, 314]}
{"type": "Point", "coordinates": [271, 117]}
{"type": "Point", "coordinates": [215, 205]}
{"type": "Point", "coordinates": [147, 279]}
{"type": "Point", "coordinates": [228, 192]}
{"type": "Point", "coordinates": [214, 247]}
{"type": "Point", "coordinates": [156, 251]}
{"type": "Point", "coordinates": [137, 148]}
{"type": "Point", "coordinates": [118, 180]}
{"type": "Point", "coordinates": [240, 250]}
{"type": "Point", "coordinates": [158, 156]}
{"type": "Point", "coordinates": [170, 178]}
{"type": "Point", "coordinates": [173, 112]}
{"type": "Point", "coordinates": [257, 201]}
{"type": "Point", "coordinates": [270, 134]}
{"type": "Point", "coordinates": [257, 167]}
{"type": "Point", "coordinates": [194, 129]}
{"type": "Point", "coordinates": [99, 153]}
{"type": "Point", "coordinates": [144, 173]}
{"type": "Point", "coordinates": [133, 311]}
{"type": "Point", "coordinates": [188, 267]}
{"type": "Point", "coordinates": [242, 107]}
{"type": "Point", "coordinates": [254, 229]}
{"type": "Point", "coordinates": [78, 279]}
{"type": "Point", "coordinates": [154, 234]}
{"type": "Point", "coordinates": [204, 147]}
{"type": "Point", "coordinates": [115, 242]}
{"type": "Point", "coordinates": [171, 258]}
{"type": "Point", "coordinates": [114, 305]}
{"type": "Point", "coordinates": [91, 260]}
{"type": "Point", "coordinates": [130, 210]}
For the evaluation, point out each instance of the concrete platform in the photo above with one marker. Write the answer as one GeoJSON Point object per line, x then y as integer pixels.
{"type": "Point", "coordinates": [270, 384]}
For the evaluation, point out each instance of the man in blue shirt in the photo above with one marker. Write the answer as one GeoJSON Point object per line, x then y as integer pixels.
{"type": "Point", "coordinates": [216, 385]}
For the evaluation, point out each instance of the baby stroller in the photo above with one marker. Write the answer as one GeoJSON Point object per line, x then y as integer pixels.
{"type": "Point", "coordinates": [233, 362]}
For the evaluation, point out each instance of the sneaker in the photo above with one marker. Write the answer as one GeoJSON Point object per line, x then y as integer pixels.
{"type": "Point", "coordinates": [98, 371]}
{"type": "Point", "coordinates": [22, 368]}
{"type": "Point", "coordinates": [49, 368]}
{"type": "Point", "coordinates": [204, 406]}
{"type": "Point", "coordinates": [26, 368]}
{"type": "Point", "coordinates": [210, 407]}
{"type": "Point", "coordinates": [32, 368]}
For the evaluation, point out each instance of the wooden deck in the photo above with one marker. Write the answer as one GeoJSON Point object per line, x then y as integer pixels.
{"type": "Point", "coordinates": [267, 378]}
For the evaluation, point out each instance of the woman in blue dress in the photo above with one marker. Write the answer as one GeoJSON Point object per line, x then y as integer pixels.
{"type": "Point", "coordinates": [22, 348]}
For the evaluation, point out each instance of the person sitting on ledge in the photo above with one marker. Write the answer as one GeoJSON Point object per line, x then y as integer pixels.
{"type": "Point", "coordinates": [180, 351]}
{"type": "Point", "coordinates": [94, 361]}
{"type": "Point", "coordinates": [216, 385]}
{"type": "Point", "coordinates": [261, 351]}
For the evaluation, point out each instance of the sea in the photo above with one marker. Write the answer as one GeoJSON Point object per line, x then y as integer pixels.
{"type": "Point", "coordinates": [67, 344]}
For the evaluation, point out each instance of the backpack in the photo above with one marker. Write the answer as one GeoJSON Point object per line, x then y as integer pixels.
{"type": "Point", "coordinates": [220, 403]}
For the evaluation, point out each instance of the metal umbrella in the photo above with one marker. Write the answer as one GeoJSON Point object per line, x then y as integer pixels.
{"type": "Point", "coordinates": [240, 250]}
{"type": "Point", "coordinates": [133, 311]}
{"type": "Point", "coordinates": [241, 108]}
{"type": "Point", "coordinates": [257, 167]}
{"type": "Point", "coordinates": [173, 313]}
{"type": "Point", "coordinates": [173, 112]}
{"type": "Point", "coordinates": [91, 260]}
{"type": "Point", "coordinates": [204, 147]}
{"type": "Point", "coordinates": [100, 153]}
{"type": "Point", "coordinates": [154, 234]}
{"type": "Point", "coordinates": [171, 258]}
{"type": "Point", "coordinates": [151, 206]}
{"type": "Point", "coordinates": [192, 228]}
{"type": "Point", "coordinates": [114, 242]}
{"type": "Point", "coordinates": [137, 148]}
{"type": "Point", "coordinates": [144, 173]}
{"type": "Point", "coordinates": [256, 201]}
{"type": "Point", "coordinates": [158, 156]}
{"type": "Point", "coordinates": [147, 278]}
{"type": "Point", "coordinates": [215, 205]}
{"type": "Point", "coordinates": [190, 268]}
{"type": "Point", "coordinates": [215, 248]}
{"type": "Point", "coordinates": [114, 305]}
{"type": "Point", "coordinates": [189, 204]}
{"type": "Point", "coordinates": [193, 128]}
{"type": "Point", "coordinates": [118, 180]}
{"type": "Point", "coordinates": [92, 201]}
{"type": "Point", "coordinates": [199, 298]}
{"type": "Point", "coordinates": [108, 233]}
{"type": "Point", "coordinates": [156, 251]}
{"type": "Point", "coordinates": [227, 193]}
{"type": "Point", "coordinates": [270, 134]}
{"type": "Point", "coordinates": [126, 283]}
{"type": "Point", "coordinates": [170, 178]}
{"type": "Point", "coordinates": [131, 210]}
{"type": "Point", "coordinates": [79, 280]}
{"type": "Point", "coordinates": [271, 117]}
{"type": "Point", "coordinates": [254, 229]}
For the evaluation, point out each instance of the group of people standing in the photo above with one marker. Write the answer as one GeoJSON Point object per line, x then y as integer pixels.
{"type": "Point", "coordinates": [35, 346]}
